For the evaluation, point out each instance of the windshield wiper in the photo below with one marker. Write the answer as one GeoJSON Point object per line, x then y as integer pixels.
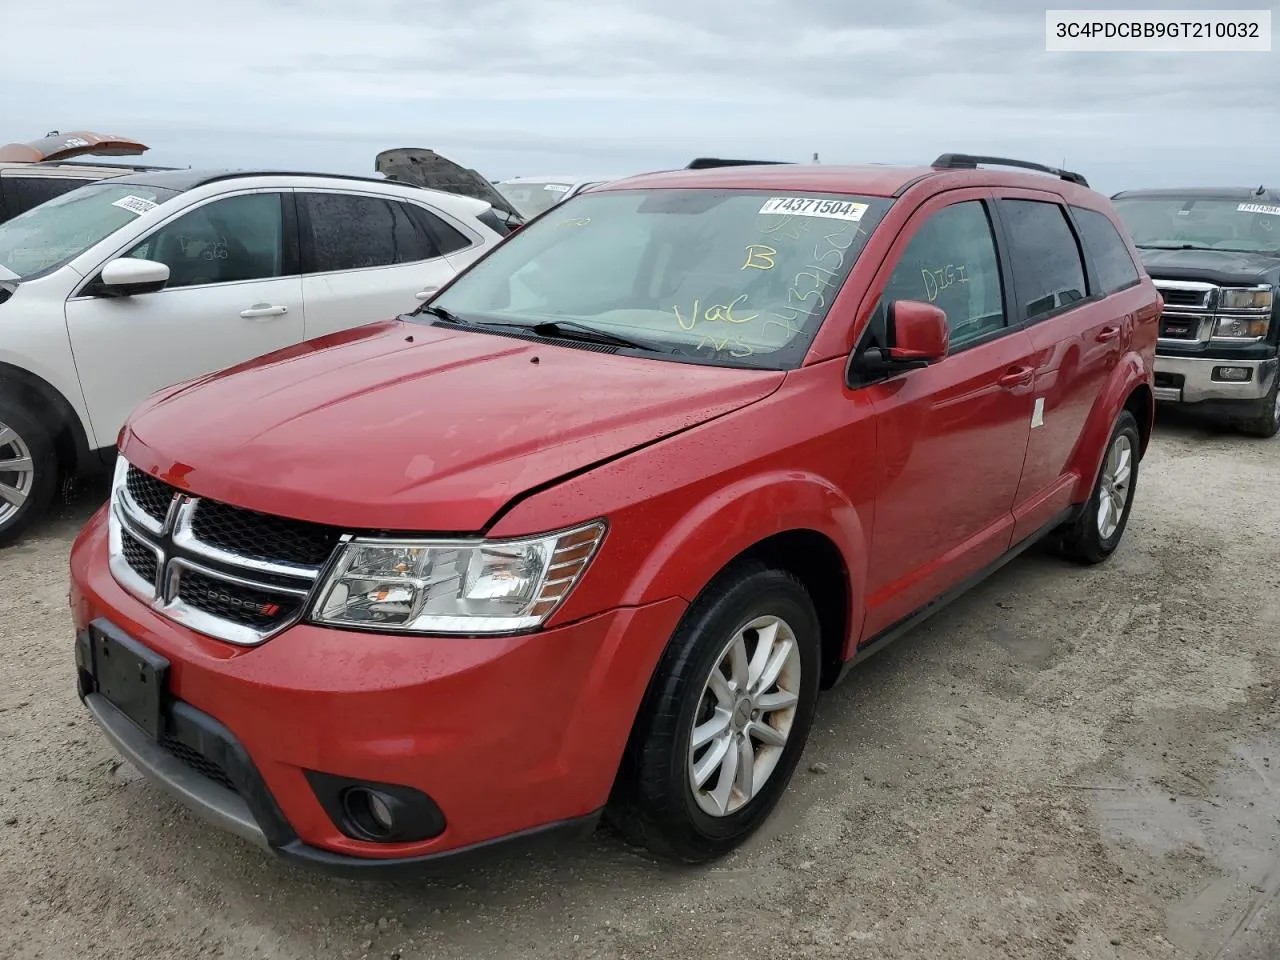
{"type": "Point", "coordinates": [440, 313]}
{"type": "Point", "coordinates": [571, 330]}
{"type": "Point", "coordinates": [1173, 245]}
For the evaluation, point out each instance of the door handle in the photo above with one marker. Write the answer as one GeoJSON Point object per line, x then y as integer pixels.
{"type": "Point", "coordinates": [426, 293]}
{"type": "Point", "coordinates": [1017, 377]}
{"type": "Point", "coordinates": [1107, 334]}
{"type": "Point", "coordinates": [260, 311]}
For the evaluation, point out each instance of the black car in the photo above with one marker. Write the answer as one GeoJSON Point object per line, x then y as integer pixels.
{"type": "Point", "coordinates": [1214, 255]}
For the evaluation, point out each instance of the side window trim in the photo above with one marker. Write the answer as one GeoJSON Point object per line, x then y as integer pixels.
{"type": "Point", "coordinates": [285, 202]}
{"type": "Point", "coordinates": [1023, 322]}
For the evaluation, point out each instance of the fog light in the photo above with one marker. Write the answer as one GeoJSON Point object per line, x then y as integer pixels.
{"type": "Point", "coordinates": [371, 812]}
{"type": "Point", "coordinates": [1233, 374]}
{"type": "Point", "coordinates": [376, 812]}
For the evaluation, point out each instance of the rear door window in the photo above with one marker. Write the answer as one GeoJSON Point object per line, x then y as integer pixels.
{"type": "Point", "coordinates": [1048, 271]}
{"type": "Point", "coordinates": [1112, 263]}
{"type": "Point", "coordinates": [342, 231]}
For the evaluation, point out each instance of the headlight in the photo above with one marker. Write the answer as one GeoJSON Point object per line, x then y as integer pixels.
{"type": "Point", "coordinates": [1242, 328]}
{"type": "Point", "coordinates": [454, 586]}
{"type": "Point", "coordinates": [1246, 299]}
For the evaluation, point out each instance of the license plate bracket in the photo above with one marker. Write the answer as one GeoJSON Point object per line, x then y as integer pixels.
{"type": "Point", "coordinates": [130, 676]}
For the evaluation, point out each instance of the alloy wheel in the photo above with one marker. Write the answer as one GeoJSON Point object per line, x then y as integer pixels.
{"type": "Point", "coordinates": [745, 715]}
{"type": "Point", "coordinates": [1114, 486]}
{"type": "Point", "coordinates": [17, 473]}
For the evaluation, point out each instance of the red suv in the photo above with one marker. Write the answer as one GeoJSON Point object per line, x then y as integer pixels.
{"type": "Point", "coordinates": [590, 530]}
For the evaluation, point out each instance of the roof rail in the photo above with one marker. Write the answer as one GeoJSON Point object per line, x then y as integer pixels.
{"type": "Point", "coordinates": [705, 163]}
{"type": "Point", "coordinates": [965, 161]}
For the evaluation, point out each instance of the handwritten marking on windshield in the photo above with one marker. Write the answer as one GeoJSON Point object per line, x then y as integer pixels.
{"type": "Point", "coordinates": [788, 228]}
{"type": "Point", "coordinates": [823, 275]}
{"type": "Point", "coordinates": [759, 257]}
{"type": "Point", "coordinates": [740, 347]}
{"type": "Point", "coordinates": [935, 281]}
{"type": "Point", "coordinates": [720, 312]}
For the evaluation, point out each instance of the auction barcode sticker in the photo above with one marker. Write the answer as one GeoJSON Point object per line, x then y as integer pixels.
{"type": "Point", "coordinates": [556, 188]}
{"type": "Point", "coordinates": [1259, 208]}
{"type": "Point", "coordinates": [138, 205]}
{"type": "Point", "coordinates": [815, 207]}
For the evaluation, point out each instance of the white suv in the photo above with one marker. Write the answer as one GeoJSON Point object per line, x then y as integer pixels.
{"type": "Point", "coordinates": [129, 285]}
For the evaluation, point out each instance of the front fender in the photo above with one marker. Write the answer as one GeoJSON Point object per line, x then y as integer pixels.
{"type": "Point", "coordinates": [1130, 374]}
{"type": "Point", "coordinates": [735, 518]}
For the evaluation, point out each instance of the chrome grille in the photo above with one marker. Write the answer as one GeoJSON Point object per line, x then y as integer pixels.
{"type": "Point", "coordinates": [262, 536]}
{"type": "Point", "coordinates": [227, 572]}
{"type": "Point", "coordinates": [1189, 307]}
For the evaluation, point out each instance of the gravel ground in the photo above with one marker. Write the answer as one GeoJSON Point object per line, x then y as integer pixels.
{"type": "Point", "coordinates": [1067, 763]}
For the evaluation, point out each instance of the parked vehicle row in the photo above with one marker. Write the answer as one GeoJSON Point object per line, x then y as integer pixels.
{"type": "Point", "coordinates": [588, 531]}
{"type": "Point", "coordinates": [136, 282]}
{"type": "Point", "coordinates": [1214, 255]}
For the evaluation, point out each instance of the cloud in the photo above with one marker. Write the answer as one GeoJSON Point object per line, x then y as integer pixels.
{"type": "Point", "coordinates": [629, 85]}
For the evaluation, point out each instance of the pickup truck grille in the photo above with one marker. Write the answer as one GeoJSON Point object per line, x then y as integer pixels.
{"type": "Point", "coordinates": [1189, 310]}
{"type": "Point", "coordinates": [231, 573]}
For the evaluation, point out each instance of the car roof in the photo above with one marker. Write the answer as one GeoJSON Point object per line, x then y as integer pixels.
{"type": "Point", "coordinates": [872, 180]}
{"type": "Point", "coordinates": [184, 180]}
{"type": "Point", "coordinates": [1244, 194]}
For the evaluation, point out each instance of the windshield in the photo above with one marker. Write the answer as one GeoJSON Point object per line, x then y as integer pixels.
{"type": "Point", "coordinates": [1208, 224]}
{"type": "Point", "coordinates": [531, 197]}
{"type": "Point", "coordinates": [58, 230]}
{"type": "Point", "coordinates": [721, 276]}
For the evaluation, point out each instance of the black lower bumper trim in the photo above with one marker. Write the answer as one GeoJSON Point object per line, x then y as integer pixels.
{"type": "Point", "coordinates": [250, 811]}
{"type": "Point", "coordinates": [446, 862]}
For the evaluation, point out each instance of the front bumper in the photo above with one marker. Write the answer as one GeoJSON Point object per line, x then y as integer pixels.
{"type": "Point", "coordinates": [511, 738]}
{"type": "Point", "coordinates": [1192, 379]}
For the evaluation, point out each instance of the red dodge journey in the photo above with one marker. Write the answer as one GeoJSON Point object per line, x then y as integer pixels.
{"type": "Point", "coordinates": [589, 532]}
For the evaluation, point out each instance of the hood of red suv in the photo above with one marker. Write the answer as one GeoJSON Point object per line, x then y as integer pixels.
{"type": "Point", "coordinates": [402, 426]}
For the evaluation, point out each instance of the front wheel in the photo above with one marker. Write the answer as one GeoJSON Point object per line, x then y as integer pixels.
{"type": "Point", "coordinates": [1265, 421]}
{"type": "Point", "coordinates": [28, 470]}
{"type": "Point", "coordinates": [725, 719]}
{"type": "Point", "coordinates": [1096, 533]}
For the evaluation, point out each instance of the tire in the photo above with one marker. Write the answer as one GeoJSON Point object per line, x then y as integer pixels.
{"type": "Point", "coordinates": [1265, 422]}
{"type": "Point", "coordinates": [655, 803]}
{"type": "Point", "coordinates": [25, 493]}
{"type": "Point", "coordinates": [1088, 539]}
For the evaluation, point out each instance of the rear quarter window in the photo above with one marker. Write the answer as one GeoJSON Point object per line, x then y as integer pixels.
{"type": "Point", "coordinates": [1108, 253]}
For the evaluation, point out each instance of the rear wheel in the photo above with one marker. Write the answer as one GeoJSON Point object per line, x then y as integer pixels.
{"type": "Point", "coordinates": [725, 719]}
{"type": "Point", "coordinates": [1265, 421]}
{"type": "Point", "coordinates": [1096, 533]}
{"type": "Point", "coordinates": [28, 470]}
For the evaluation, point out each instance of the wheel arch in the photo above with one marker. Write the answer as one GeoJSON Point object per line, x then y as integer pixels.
{"type": "Point", "coordinates": [1128, 388]}
{"type": "Point", "coordinates": [44, 402]}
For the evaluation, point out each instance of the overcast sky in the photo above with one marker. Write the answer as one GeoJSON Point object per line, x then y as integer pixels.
{"type": "Point", "coordinates": [614, 87]}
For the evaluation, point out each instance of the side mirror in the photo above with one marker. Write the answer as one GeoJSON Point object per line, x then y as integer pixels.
{"type": "Point", "coordinates": [920, 331]}
{"type": "Point", "coordinates": [127, 276]}
{"type": "Point", "coordinates": [920, 337]}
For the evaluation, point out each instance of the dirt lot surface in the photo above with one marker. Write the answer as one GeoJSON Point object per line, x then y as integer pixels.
{"type": "Point", "coordinates": [1067, 763]}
